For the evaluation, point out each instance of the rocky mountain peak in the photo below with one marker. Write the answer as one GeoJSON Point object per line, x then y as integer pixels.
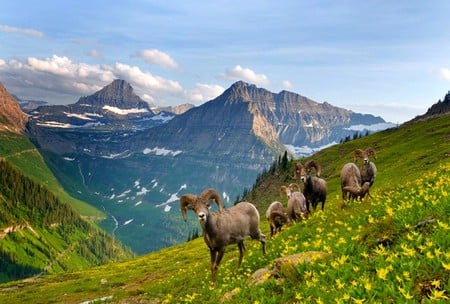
{"type": "Point", "coordinates": [119, 94]}
{"type": "Point", "coordinates": [11, 116]}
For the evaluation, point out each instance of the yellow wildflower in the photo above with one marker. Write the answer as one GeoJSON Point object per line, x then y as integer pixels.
{"type": "Point", "coordinates": [443, 225]}
{"type": "Point", "coordinates": [437, 251]}
{"type": "Point", "coordinates": [438, 295]}
{"type": "Point", "coordinates": [389, 211]}
{"type": "Point", "coordinates": [446, 266]}
{"type": "Point", "coordinates": [407, 275]}
{"type": "Point", "coordinates": [339, 284]}
{"type": "Point", "coordinates": [382, 273]}
{"type": "Point", "coordinates": [436, 283]}
{"type": "Point", "coordinates": [358, 301]}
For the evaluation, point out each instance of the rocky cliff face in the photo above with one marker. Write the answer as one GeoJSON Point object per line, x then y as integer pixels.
{"type": "Point", "coordinates": [11, 116]}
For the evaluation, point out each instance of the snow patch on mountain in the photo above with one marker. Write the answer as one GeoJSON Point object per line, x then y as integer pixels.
{"type": "Point", "coordinates": [119, 111]}
{"type": "Point", "coordinates": [161, 151]}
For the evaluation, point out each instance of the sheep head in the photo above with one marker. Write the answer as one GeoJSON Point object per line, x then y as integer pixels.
{"type": "Point", "coordinates": [200, 204]}
{"type": "Point", "coordinates": [364, 154]}
{"type": "Point", "coordinates": [303, 171]}
{"type": "Point", "coordinates": [285, 191]}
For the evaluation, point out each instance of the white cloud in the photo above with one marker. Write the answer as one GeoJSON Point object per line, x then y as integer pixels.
{"type": "Point", "coordinates": [239, 73]}
{"type": "Point", "coordinates": [57, 79]}
{"type": "Point", "coordinates": [444, 73]}
{"type": "Point", "coordinates": [204, 92]}
{"type": "Point", "coordinates": [22, 31]}
{"type": "Point", "coordinates": [155, 56]}
{"type": "Point", "coordinates": [146, 80]}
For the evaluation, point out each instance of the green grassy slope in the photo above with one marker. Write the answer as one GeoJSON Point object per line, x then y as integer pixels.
{"type": "Point", "coordinates": [20, 152]}
{"type": "Point", "coordinates": [41, 234]}
{"type": "Point", "coordinates": [393, 248]}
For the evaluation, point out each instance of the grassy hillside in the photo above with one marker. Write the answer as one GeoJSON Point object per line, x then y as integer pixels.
{"type": "Point", "coordinates": [20, 152]}
{"type": "Point", "coordinates": [41, 234]}
{"type": "Point", "coordinates": [392, 248]}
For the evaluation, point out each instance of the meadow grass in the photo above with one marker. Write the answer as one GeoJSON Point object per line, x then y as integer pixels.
{"type": "Point", "coordinates": [391, 248]}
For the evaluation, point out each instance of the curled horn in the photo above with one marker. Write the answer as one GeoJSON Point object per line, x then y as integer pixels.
{"type": "Point", "coordinates": [294, 185]}
{"type": "Point", "coordinates": [284, 190]}
{"type": "Point", "coordinates": [210, 193]}
{"type": "Point", "coordinates": [357, 154]}
{"type": "Point", "coordinates": [371, 152]}
{"type": "Point", "coordinates": [313, 164]}
{"type": "Point", "coordinates": [185, 200]}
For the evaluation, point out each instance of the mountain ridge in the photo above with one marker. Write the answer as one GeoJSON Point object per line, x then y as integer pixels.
{"type": "Point", "coordinates": [226, 141]}
{"type": "Point", "coordinates": [12, 118]}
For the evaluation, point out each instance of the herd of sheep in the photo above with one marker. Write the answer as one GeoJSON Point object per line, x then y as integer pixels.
{"type": "Point", "coordinates": [233, 225]}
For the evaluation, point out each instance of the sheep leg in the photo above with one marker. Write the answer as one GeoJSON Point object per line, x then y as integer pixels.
{"type": "Point", "coordinates": [216, 257]}
{"type": "Point", "coordinates": [241, 247]}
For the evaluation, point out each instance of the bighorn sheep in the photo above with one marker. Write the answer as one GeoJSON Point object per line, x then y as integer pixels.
{"type": "Point", "coordinates": [368, 168]}
{"type": "Point", "coordinates": [358, 192]}
{"type": "Point", "coordinates": [224, 227]}
{"type": "Point", "coordinates": [296, 204]}
{"type": "Point", "coordinates": [276, 216]}
{"type": "Point", "coordinates": [315, 189]}
{"type": "Point", "coordinates": [350, 178]}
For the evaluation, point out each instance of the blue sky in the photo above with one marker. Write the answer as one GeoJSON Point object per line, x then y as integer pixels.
{"type": "Point", "coordinates": [387, 58]}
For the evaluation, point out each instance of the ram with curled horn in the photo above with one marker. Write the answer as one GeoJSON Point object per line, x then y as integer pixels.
{"type": "Point", "coordinates": [368, 168]}
{"type": "Point", "coordinates": [315, 188]}
{"type": "Point", "coordinates": [224, 227]}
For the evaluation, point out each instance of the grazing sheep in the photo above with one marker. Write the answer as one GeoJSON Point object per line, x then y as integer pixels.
{"type": "Point", "coordinates": [225, 227]}
{"type": "Point", "coordinates": [315, 188]}
{"type": "Point", "coordinates": [276, 216]}
{"type": "Point", "coordinates": [368, 168]}
{"type": "Point", "coordinates": [296, 204]}
{"type": "Point", "coordinates": [350, 178]}
{"type": "Point", "coordinates": [358, 193]}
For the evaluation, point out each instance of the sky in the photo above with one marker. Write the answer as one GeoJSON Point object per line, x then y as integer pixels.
{"type": "Point", "coordinates": [386, 58]}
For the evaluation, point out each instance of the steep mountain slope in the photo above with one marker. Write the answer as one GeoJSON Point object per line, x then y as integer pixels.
{"type": "Point", "coordinates": [409, 208]}
{"type": "Point", "coordinates": [11, 116]}
{"type": "Point", "coordinates": [135, 174]}
{"type": "Point", "coordinates": [41, 234]}
{"type": "Point", "coordinates": [40, 231]}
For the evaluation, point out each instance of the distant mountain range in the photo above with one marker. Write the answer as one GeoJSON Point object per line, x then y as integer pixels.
{"type": "Point", "coordinates": [113, 151]}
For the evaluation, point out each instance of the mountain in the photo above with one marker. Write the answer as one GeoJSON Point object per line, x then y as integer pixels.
{"type": "Point", "coordinates": [180, 109]}
{"type": "Point", "coordinates": [136, 171]}
{"type": "Point", "coordinates": [11, 116]}
{"type": "Point", "coordinates": [42, 228]}
{"type": "Point", "coordinates": [394, 245]}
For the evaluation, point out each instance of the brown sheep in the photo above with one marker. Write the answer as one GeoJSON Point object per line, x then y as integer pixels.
{"type": "Point", "coordinates": [225, 227]}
